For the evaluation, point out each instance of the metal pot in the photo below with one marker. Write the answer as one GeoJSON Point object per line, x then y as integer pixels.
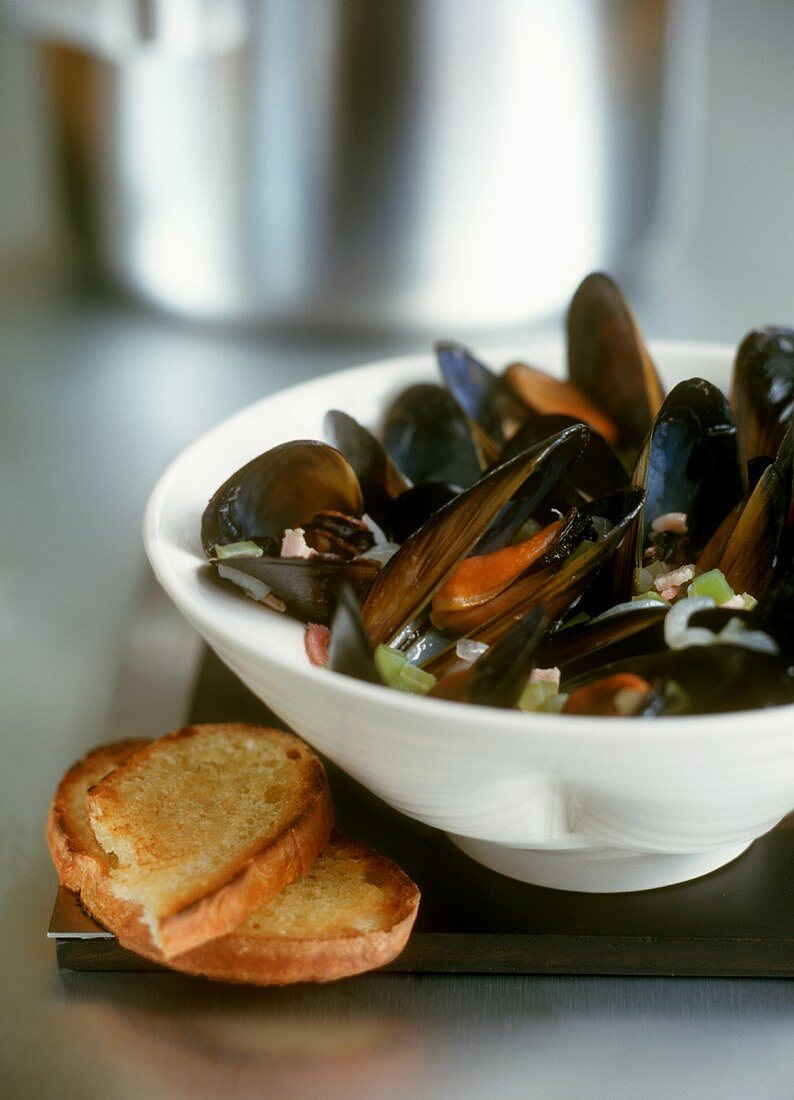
{"type": "Point", "coordinates": [423, 163]}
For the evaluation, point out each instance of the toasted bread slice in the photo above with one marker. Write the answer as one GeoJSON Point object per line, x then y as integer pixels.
{"type": "Point", "coordinates": [208, 823]}
{"type": "Point", "coordinates": [351, 912]}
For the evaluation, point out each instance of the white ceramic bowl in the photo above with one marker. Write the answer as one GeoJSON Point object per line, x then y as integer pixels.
{"type": "Point", "coordinates": [593, 804]}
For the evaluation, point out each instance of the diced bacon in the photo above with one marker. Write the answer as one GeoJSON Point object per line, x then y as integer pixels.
{"type": "Point", "coordinates": [294, 545]}
{"type": "Point", "coordinates": [670, 521]}
{"type": "Point", "coordinates": [274, 603]}
{"type": "Point", "coordinates": [317, 640]}
{"type": "Point", "coordinates": [669, 594]}
{"type": "Point", "coordinates": [545, 676]}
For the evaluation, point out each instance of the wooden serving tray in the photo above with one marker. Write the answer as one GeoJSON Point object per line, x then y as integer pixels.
{"type": "Point", "coordinates": [736, 922]}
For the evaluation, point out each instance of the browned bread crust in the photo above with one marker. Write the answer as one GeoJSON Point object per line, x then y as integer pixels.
{"type": "Point", "coordinates": [278, 943]}
{"type": "Point", "coordinates": [223, 897]}
{"type": "Point", "coordinates": [264, 956]}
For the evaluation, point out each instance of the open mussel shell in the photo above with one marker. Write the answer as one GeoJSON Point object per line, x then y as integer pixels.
{"type": "Point", "coordinates": [493, 412]}
{"type": "Point", "coordinates": [351, 651]}
{"type": "Point", "coordinates": [415, 506]}
{"type": "Point", "coordinates": [749, 554]}
{"type": "Point", "coordinates": [282, 488]}
{"type": "Point", "coordinates": [380, 479]}
{"type": "Point", "coordinates": [541, 393]}
{"type": "Point", "coordinates": [582, 650]}
{"type": "Point", "coordinates": [584, 647]}
{"type": "Point", "coordinates": [692, 464]}
{"type": "Point", "coordinates": [762, 393]}
{"type": "Point", "coordinates": [407, 583]}
{"type": "Point", "coordinates": [713, 678]}
{"type": "Point", "coordinates": [688, 464]}
{"type": "Point", "coordinates": [752, 545]}
{"type": "Point", "coordinates": [472, 385]}
{"type": "Point", "coordinates": [774, 614]}
{"type": "Point", "coordinates": [429, 438]}
{"type": "Point", "coordinates": [309, 587]}
{"type": "Point", "coordinates": [608, 359]}
{"type": "Point", "coordinates": [597, 472]}
{"type": "Point", "coordinates": [499, 676]}
{"type": "Point", "coordinates": [558, 585]}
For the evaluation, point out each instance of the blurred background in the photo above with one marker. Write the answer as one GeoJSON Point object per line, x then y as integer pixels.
{"type": "Point", "coordinates": [202, 201]}
{"type": "Point", "coordinates": [421, 165]}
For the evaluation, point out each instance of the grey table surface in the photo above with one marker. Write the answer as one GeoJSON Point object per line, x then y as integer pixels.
{"type": "Point", "coordinates": [95, 397]}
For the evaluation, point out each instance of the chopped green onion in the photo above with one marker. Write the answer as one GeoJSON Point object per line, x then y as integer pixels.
{"type": "Point", "coordinates": [749, 601]}
{"type": "Point", "coordinates": [237, 550]}
{"type": "Point", "coordinates": [390, 663]}
{"type": "Point", "coordinates": [712, 584]}
{"type": "Point", "coordinates": [414, 680]}
{"type": "Point", "coordinates": [397, 673]}
{"type": "Point", "coordinates": [536, 694]}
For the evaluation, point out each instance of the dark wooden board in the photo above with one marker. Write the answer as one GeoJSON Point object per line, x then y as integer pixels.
{"type": "Point", "coordinates": [738, 921]}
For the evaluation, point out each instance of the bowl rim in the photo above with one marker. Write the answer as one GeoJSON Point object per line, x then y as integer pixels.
{"type": "Point", "coordinates": [521, 723]}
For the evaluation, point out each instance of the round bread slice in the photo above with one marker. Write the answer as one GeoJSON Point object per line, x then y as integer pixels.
{"type": "Point", "coordinates": [351, 912]}
{"type": "Point", "coordinates": [208, 823]}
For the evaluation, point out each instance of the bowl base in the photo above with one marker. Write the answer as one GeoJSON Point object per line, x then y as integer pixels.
{"type": "Point", "coordinates": [596, 870]}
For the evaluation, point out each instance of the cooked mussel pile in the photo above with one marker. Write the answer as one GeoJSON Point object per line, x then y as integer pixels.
{"type": "Point", "coordinates": [588, 546]}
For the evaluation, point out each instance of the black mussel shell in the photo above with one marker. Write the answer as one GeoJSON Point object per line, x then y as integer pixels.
{"type": "Point", "coordinates": [753, 545]}
{"type": "Point", "coordinates": [308, 586]}
{"type": "Point", "coordinates": [482, 395]}
{"type": "Point", "coordinates": [585, 647]}
{"type": "Point", "coordinates": [501, 673]}
{"type": "Point", "coordinates": [428, 437]}
{"type": "Point", "coordinates": [688, 464]}
{"type": "Point", "coordinates": [596, 473]}
{"type": "Point", "coordinates": [775, 615]}
{"type": "Point", "coordinates": [499, 676]}
{"type": "Point", "coordinates": [415, 506]}
{"type": "Point", "coordinates": [692, 464]}
{"type": "Point", "coordinates": [282, 488]}
{"type": "Point", "coordinates": [608, 359]}
{"type": "Point", "coordinates": [351, 651]}
{"type": "Point", "coordinates": [713, 678]}
{"type": "Point", "coordinates": [380, 480]}
{"type": "Point", "coordinates": [762, 393]}
{"type": "Point", "coordinates": [407, 582]}
{"type": "Point", "coordinates": [561, 584]}
{"type": "Point", "coordinates": [556, 586]}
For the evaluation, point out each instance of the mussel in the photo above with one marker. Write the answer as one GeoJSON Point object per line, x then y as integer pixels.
{"type": "Point", "coordinates": [381, 481]}
{"type": "Point", "coordinates": [283, 488]}
{"type": "Point", "coordinates": [608, 359]}
{"type": "Point", "coordinates": [710, 679]}
{"type": "Point", "coordinates": [287, 488]}
{"type": "Point", "coordinates": [522, 565]}
{"type": "Point", "coordinates": [762, 393]}
{"type": "Point", "coordinates": [428, 437]}
{"type": "Point", "coordinates": [688, 468]}
{"type": "Point", "coordinates": [411, 578]}
{"type": "Point", "coordinates": [396, 505]}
